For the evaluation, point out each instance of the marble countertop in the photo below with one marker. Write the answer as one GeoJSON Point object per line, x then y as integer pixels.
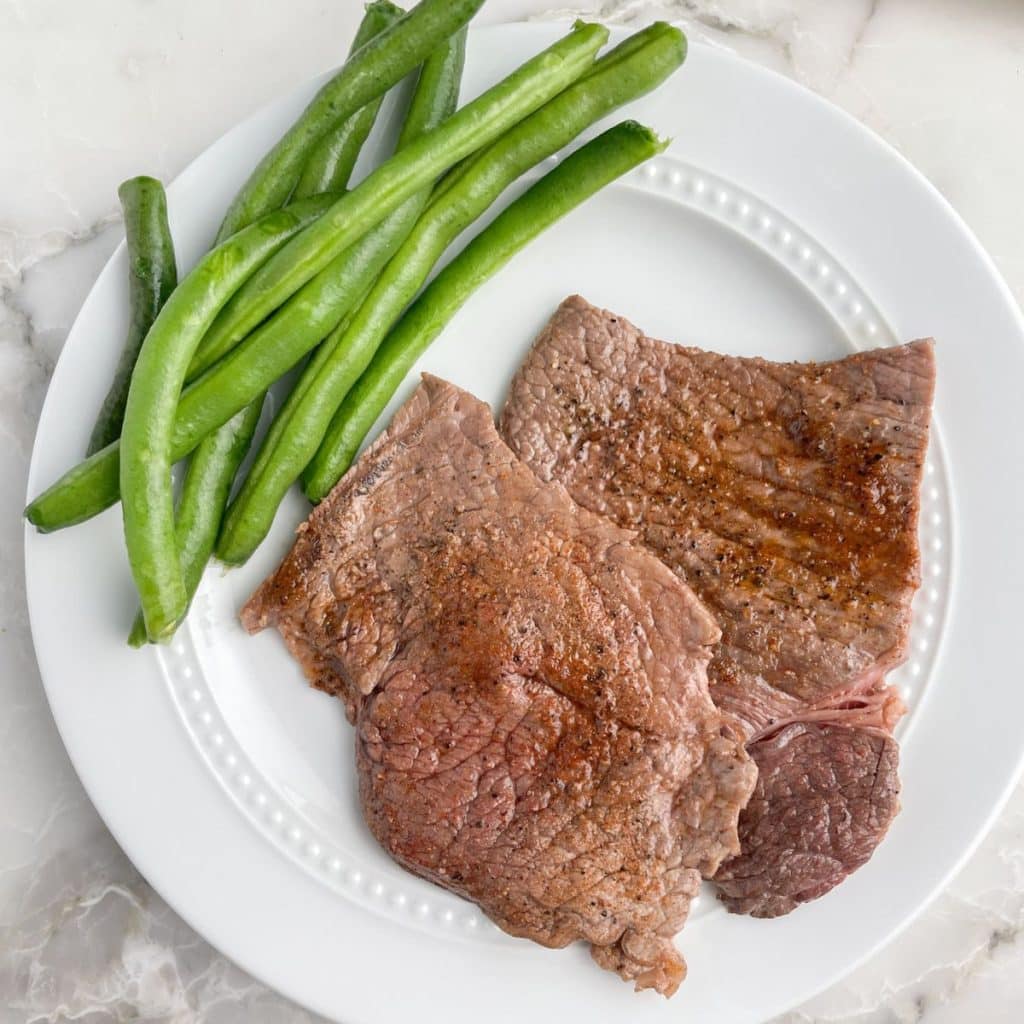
{"type": "Point", "coordinates": [97, 92]}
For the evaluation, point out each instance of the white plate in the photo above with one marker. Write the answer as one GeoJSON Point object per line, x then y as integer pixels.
{"type": "Point", "coordinates": [775, 225]}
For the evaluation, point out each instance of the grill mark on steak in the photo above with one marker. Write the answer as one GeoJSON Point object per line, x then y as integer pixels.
{"type": "Point", "coordinates": [787, 496]}
{"type": "Point", "coordinates": [534, 729]}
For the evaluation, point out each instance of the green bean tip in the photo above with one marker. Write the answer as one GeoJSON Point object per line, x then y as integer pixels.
{"type": "Point", "coordinates": [384, 5]}
{"type": "Point", "coordinates": [647, 133]}
{"type": "Point", "coordinates": [32, 514]}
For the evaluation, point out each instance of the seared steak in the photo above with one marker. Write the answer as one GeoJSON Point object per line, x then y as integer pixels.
{"type": "Point", "coordinates": [528, 686]}
{"type": "Point", "coordinates": [824, 799]}
{"type": "Point", "coordinates": [786, 496]}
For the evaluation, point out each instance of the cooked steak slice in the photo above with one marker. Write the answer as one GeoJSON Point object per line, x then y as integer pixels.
{"type": "Point", "coordinates": [825, 795]}
{"type": "Point", "coordinates": [528, 686]}
{"type": "Point", "coordinates": [786, 495]}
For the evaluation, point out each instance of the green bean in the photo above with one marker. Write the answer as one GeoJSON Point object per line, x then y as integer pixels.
{"type": "Point", "coordinates": [631, 69]}
{"type": "Point", "coordinates": [93, 485]}
{"type": "Point", "coordinates": [147, 501]}
{"type": "Point", "coordinates": [310, 372]}
{"type": "Point", "coordinates": [279, 344]}
{"type": "Point", "coordinates": [209, 402]}
{"type": "Point", "coordinates": [580, 175]}
{"type": "Point", "coordinates": [152, 275]}
{"type": "Point", "coordinates": [372, 70]}
{"type": "Point", "coordinates": [212, 469]}
{"type": "Point", "coordinates": [307, 378]}
{"type": "Point", "coordinates": [435, 98]}
{"type": "Point", "coordinates": [314, 310]}
{"type": "Point", "coordinates": [330, 165]}
{"type": "Point", "coordinates": [204, 494]}
{"type": "Point", "coordinates": [415, 167]}
{"type": "Point", "coordinates": [634, 67]}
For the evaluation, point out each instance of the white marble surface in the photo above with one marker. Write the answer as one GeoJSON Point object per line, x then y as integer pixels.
{"type": "Point", "coordinates": [95, 92]}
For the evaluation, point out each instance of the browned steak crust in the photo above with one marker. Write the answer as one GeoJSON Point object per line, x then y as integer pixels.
{"type": "Point", "coordinates": [528, 687]}
{"type": "Point", "coordinates": [787, 496]}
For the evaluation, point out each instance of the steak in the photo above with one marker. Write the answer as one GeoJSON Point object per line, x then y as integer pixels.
{"type": "Point", "coordinates": [528, 687]}
{"type": "Point", "coordinates": [786, 496]}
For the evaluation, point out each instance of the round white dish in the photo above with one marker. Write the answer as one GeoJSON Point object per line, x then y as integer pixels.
{"type": "Point", "coordinates": [775, 225]}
